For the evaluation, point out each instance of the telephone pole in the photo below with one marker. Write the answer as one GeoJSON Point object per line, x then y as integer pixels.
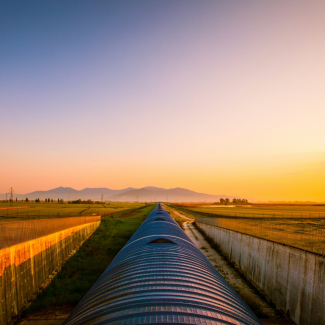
{"type": "Point", "coordinates": [11, 195]}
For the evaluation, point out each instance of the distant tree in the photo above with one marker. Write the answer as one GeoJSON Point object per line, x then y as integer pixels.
{"type": "Point", "coordinates": [48, 200]}
{"type": "Point", "coordinates": [51, 200]}
{"type": "Point", "coordinates": [82, 202]}
{"type": "Point", "coordinates": [222, 201]}
{"type": "Point", "coordinates": [27, 199]}
{"type": "Point", "coordinates": [234, 201]}
{"type": "Point", "coordinates": [58, 200]}
{"type": "Point", "coordinates": [241, 201]}
{"type": "Point", "coordinates": [16, 199]}
{"type": "Point", "coordinates": [226, 201]}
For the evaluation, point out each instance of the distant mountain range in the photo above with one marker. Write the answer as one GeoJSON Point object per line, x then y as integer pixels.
{"type": "Point", "coordinates": [148, 193]}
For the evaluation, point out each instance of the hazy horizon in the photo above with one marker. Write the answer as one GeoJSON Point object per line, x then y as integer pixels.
{"type": "Point", "coordinates": [213, 96]}
{"type": "Point", "coordinates": [131, 188]}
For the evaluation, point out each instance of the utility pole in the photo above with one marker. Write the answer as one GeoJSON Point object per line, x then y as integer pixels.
{"type": "Point", "coordinates": [12, 195]}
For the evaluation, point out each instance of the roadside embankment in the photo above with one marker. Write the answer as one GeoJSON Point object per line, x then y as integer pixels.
{"type": "Point", "coordinates": [293, 279]}
{"type": "Point", "coordinates": [25, 267]}
{"type": "Point", "coordinates": [259, 305]}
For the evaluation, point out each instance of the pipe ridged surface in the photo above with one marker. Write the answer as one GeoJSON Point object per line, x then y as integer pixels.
{"type": "Point", "coordinates": [161, 277]}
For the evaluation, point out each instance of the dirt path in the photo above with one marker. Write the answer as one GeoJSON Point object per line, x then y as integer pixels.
{"type": "Point", "coordinates": [46, 316]}
{"type": "Point", "coordinates": [182, 216]}
{"type": "Point", "coordinates": [266, 313]}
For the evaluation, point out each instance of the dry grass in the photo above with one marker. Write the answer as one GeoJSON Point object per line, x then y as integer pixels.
{"type": "Point", "coordinates": [57, 210]}
{"type": "Point", "coordinates": [300, 232]}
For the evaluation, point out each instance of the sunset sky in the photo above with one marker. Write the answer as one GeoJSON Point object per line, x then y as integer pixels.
{"type": "Point", "coordinates": [221, 97]}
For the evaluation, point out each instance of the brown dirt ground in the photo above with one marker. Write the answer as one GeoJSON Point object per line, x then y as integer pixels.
{"type": "Point", "coordinates": [46, 316]}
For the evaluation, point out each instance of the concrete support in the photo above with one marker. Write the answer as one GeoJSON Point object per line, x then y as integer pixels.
{"type": "Point", "coordinates": [26, 266]}
{"type": "Point", "coordinates": [293, 279]}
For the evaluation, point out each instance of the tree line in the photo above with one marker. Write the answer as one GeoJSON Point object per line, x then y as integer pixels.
{"type": "Point", "coordinates": [234, 201]}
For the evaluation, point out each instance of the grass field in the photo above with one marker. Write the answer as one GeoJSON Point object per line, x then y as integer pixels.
{"type": "Point", "coordinates": [299, 226]}
{"type": "Point", "coordinates": [26, 211]}
{"type": "Point", "coordinates": [263, 210]}
{"type": "Point", "coordinates": [83, 269]}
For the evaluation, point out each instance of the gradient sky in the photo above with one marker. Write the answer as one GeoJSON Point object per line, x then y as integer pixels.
{"type": "Point", "coordinates": [221, 97]}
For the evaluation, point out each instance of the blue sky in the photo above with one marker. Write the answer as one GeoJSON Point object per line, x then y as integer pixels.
{"type": "Point", "coordinates": [216, 96]}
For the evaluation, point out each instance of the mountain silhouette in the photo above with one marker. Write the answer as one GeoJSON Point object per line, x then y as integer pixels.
{"type": "Point", "coordinates": [148, 193]}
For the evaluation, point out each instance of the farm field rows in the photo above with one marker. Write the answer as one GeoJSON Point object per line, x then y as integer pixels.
{"type": "Point", "coordinates": [26, 210]}
{"type": "Point", "coordinates": [259, 210]}
{"type": "Point", "coordinates": [282, 224]}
